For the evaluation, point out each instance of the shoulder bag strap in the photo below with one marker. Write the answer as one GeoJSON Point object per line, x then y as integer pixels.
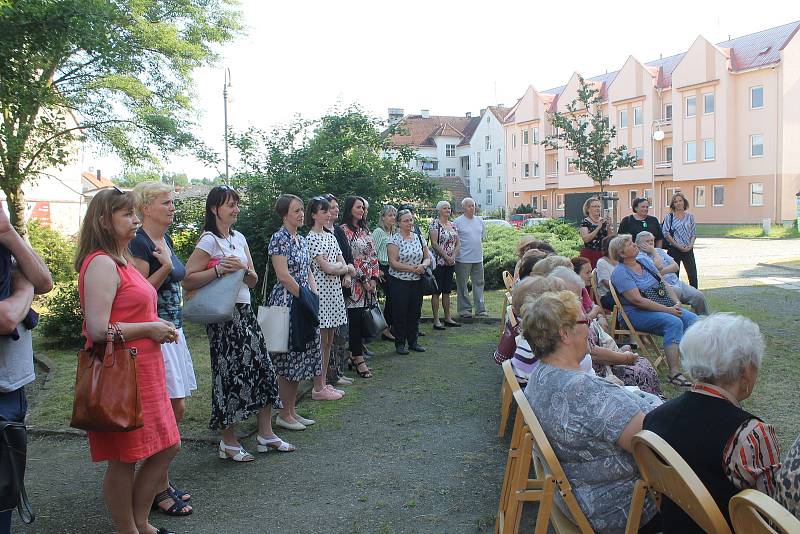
{"type": "Point", "coordinates": [649, 270]}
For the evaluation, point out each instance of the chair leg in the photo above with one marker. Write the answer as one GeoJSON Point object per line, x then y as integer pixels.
{"type": "Point", "coordinates": [637, 504]}
{"type": "Point", "coordinates": [505, 408]}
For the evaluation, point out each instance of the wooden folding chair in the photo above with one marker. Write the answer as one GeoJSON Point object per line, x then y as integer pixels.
{"type": "Point", "coordinates": [753, 512]}
{"type": "Point", "coordinates": [664, 472]}
{"type": "Point", "coordinates": [504, 313]}
{"type": "Point", "coordinates": [507, 389]}
{"type": "Point", "coordinates": [625, 328]}
{"type": "Point", "coordinates": [594, 293]}
{"type": "Point", "coordinates": [508, 280]}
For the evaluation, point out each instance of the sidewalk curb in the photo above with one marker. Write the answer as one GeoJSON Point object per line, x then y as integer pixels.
{"type": "Point", "coordinates": [782, 267]}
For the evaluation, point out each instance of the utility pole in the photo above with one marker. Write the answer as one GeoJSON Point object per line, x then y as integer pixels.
{"type": "Point", "coordinates": [225, 109]}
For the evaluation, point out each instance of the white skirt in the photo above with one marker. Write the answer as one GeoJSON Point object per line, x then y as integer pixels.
{"type": "Point", "coordinates": [178, 368]}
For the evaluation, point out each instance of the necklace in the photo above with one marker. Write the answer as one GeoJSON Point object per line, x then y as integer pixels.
{"type": "Point", "coordinates": [229, 240]}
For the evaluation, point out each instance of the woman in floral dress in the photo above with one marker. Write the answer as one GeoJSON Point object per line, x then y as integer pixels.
{"type": "Point", "coordinates": [445, 245]}
{"type": "Point", "coordinates": [289, 254]}
{"type": "Point", "coordinates": [362, 292]}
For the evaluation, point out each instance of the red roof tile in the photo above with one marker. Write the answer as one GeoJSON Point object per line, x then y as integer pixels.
{"type": "Point", "coordinates": [421, 131]}
{"type": "Point", "coordinates": [98, 183]}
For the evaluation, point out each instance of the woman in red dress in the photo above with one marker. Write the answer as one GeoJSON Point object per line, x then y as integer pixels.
{"type": "Point", "coordinates": [113, 291]}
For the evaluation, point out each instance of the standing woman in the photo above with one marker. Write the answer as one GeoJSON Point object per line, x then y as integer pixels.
{"type": "Point", "coordinates": [289, 254]}
{"type": "Point", "coordinates": [154, 257]}
{"type": "Point", "coordinates": [446, 246]}
{"type": "Point", "coordinates": [408, 259]}
{"type": "Point", "coordinates": [362, 290]}
{"type": "Point", "coordinates": [328, 266]}
{"type": "Point", "coordinates": [111, 290]}
{"type": "Point", "coordinates": [242, 375]}
{"type": "Point", "coordinates": [680, 232]}
{"type": "Point", "coordinates": [593, 229]}
{"type": "Point", "coordinates": [639, 220]}
{"type": "Point", "coordinates": [381, 235]}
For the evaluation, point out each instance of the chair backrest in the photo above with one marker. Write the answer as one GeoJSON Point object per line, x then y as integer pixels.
{"type": "Point", "coordinates": [666, 473]}
{"type": "Point", "coordinates": [508, 280]}
{"type": "Point", "coordinates": [595, 293]}
{"type": "Point", "coordinates": [753, 512]}
{"type": "Point", "coordinates": [546, 460]}
{"type": "Point", "coordinates": [512, 319]}
{"type": "Point", "coordinates": [620, 310]}
{"type": "Point", "coordinates": [510, 377]}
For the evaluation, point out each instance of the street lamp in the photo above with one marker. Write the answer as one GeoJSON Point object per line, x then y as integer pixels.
{"type": "Point", "coordinates": [225, 108]}
{"type": "Point", "coordinates": [658, 135]}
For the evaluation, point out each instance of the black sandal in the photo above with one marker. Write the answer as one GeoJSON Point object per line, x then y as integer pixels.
{"type": "Point", "coordinates": [182, 495]}
{"type": "Point", "coordinates": [680, 381]}
{"type": "Point", "coordinates": [178, 508]}
{"type": "Point", "coordinates": [353, 365]}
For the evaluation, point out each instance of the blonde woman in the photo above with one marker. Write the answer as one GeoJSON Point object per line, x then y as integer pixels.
{"type": "Point", "coordinates": [594, 228]}
{"type": "Point", "coordinates": [154, 257]}
{"type": "Point", "coordinates": [446, 246]}
{"type": "Point", "coordinates": [387, 226]}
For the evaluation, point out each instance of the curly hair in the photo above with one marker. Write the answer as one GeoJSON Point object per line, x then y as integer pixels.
{"type": "Point", "coordinates": [544, 319]}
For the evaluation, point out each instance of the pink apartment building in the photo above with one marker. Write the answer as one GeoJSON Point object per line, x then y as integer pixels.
{"type": "Point", "coordinates": [730, 118]}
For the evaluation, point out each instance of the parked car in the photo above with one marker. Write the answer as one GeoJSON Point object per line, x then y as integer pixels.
{"type": "Point", "coordinates": [499, 222]}
{"type": "Point", "coordinates": [533, 221]}
{"type": "Point", "coordinates": [518, 219]}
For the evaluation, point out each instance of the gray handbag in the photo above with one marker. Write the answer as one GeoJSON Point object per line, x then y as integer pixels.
{"type": "Point", "coordinates": [215, 301]}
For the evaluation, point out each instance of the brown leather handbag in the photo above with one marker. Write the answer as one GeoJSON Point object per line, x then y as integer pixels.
{"type": "Point", "coordinates": [106, 387]}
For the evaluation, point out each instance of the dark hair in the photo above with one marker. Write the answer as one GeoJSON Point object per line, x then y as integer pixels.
{"type": "Point", "coordinates": [409, 207]}
{"type": "Point", "coordinates": [283, 203]}
{"type": "Point", "coordinates": [314, 205]}
{"type": "Point", "coordinates": [685, 201]}
{"type": "Point", "coordinates": [604, 244]}
{"type": "Point", "coordinates": [330, 198]}
{"type": "Point", "coordinates": [529, 260]}
{"type": "Point", "coordinates": [578, 262]}
{"type": "Point", "coordinates": [637, 201]}
{"type": "Point", "coordinates": [218, 196]}
{"type": "Point", "coordinates": [347, 218]}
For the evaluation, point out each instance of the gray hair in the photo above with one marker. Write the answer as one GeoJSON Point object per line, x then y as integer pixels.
{"type": "Point", "coordinates": [644, 234]}
{"type": "Point", "coordinates": [441, 204]}
{"type": "Point", "coordinates": [617, 244]}
{"type": "Point", "coordinates": [717, 348]}
{"type": "Point", "coordinates": [569, 276]}
{"type": "Point", "coordinates": [467, 200]}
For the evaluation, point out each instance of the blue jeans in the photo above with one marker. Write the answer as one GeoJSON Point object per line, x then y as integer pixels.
{"type": "Point", "coordinates": [661, 323]}
{"type": "Point", "coordinates": [13, 407]}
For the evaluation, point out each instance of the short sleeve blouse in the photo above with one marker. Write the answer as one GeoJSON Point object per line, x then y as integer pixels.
{"type": "Point", "coordinates": [234, 245]}
{"type": "Point", "coordinates": [597, 242]}
{"type": "Point", "coordinates": [169, 294]}
{"type": "Point", "coordinates": [447, 240]}
{"type": "Point", "coordinates": [625, 279]}
{"type": "Point", "coordinates": [410, 252]}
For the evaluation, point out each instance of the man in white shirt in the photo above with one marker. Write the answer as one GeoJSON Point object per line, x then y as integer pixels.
{"type": "Point", "coordinates": [469, 263]}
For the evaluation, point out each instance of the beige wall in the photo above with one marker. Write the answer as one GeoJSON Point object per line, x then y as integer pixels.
{"type": "Point", "coordinates": [789, 160]}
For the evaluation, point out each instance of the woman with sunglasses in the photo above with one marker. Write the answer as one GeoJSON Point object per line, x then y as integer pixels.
{"type": "Point", "coordinates": [242, 376]}
{"type": "Point", "coordinates": [640, 220]}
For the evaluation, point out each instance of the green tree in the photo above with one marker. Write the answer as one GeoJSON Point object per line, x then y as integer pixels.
{"type": "Point", "coordinates": [585, 131]}
{"type": "Point", "coordinates": [117, 73]}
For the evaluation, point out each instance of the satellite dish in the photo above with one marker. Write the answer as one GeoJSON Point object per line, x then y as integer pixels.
{"type": "Point", "coordinates": [658, 135]}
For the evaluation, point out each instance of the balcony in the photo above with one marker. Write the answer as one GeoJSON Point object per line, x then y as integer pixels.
{"type": "Point", "coordinates": [662, 168]}
{"type": "Point", "coordinates": [551, 180]}
{"type": "Point", "coordinates": [665, 125]}
{"type": "Point", "coordinates": [551, 175]}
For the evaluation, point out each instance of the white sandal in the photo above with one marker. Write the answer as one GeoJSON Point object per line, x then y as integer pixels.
{"type": "Point", "coordinates": [273, 444]}
{"type": "Point", "coordinates": [240, 455]}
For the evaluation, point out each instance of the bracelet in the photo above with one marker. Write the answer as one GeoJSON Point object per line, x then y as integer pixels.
{"type": "Point", "coordinates": [216, 271]}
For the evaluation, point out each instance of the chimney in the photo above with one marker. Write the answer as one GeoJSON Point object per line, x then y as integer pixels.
{"type": "Point", "coordinates": [426, 113]}
{"type": "Point", "coordinates": [483, 110]}
{"type": "Point", "coordinates": [395, 115]}
{"type": "Point", "coordinates": [98, 174]}
{"type": "Point", "coordinates": [468, 114]}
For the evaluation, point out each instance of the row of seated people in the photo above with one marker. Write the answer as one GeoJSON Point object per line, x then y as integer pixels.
{"type": "Point", "coordinates": [590, 418]}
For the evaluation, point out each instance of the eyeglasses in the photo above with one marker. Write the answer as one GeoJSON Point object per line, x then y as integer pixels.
{"type": "Point", "coordinates": [583, 321]}
{"type": "Point", "coordinates": [118, 190]}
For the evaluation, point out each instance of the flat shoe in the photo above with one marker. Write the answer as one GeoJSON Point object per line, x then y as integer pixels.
{"type": "Point", "coordinates": [287, 425]}
{"type": "Point", "coordinates": [273, 444]}
{"type": "Point", "coordinates": [384, 337]}
{"type": "Point", "coordinates": [452, 324]}
{"type": "Point", "coordinates": [417, 348]}
{"type": "Point", "coordinates": [344, 381]}
{"type": "Point", "coordinates": [401, 349]}
{"type": "Point", "coordinates": [177, 509]}
{"type": "Point", "coordinates": [439, 327]}
{"type": "Point", "coordinates": [303, 421]}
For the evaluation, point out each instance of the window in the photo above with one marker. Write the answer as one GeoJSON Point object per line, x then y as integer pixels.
{"type": "Point", "coordinates": [699, 196]}
{"type": "Point", "coordinates": [718, 195]}
{"type": "Point", "coordinates": [477, 159]}
{"type": "Point", "coordinates": [430, 165]}
{"type": "Point", "coordinates": [536, 135]}
{"type": "Point", "coordinates": [516, 194]}
{"type": "Point", "coordinates": [571, 166]}
{"type": "Point", "coordinates": [479, 185]}
{"type": "Point", "coordinates": [648, 194]}
{"type": "Point", "coordinates": [668, 112]}
{"type": "Point", "coordinates": [756, 146]}
{"type": "Point", "coordinates": [633, 194]}
{"type": "Point", "coordinates": [560, 201]}
{"type": "Point", "coordinates": [488, 142]}
{"type": "Point", "coordinates": [708, 149]}
{"type": "Point", "coordinates": [449, 172]}
{"type": "Point", "coordinates": [525, 136]}
{"type": "Point", "coordinates": [534, 202]}
{"type": "Point", "coordinates": [488, 196]}
{"type": "Point", "coordinates": [499, 183]}
{"type": "Point", "coordinates": [757, 194]}
{"type": "Point", "coordinates": [669, 192]}
{"type": "Point", "coordinates": [637, 116]}
{"type": "Point", "coordinates": [499, 156]}
{"type": "Point", "coordinates": [544, 203]}
{"type": "Point", "coordinates": [513, 140]}
{"type": "Point", "coordinates": [488, 169]}
{"type": "Point", "coordinates": [450, 151]}
{"type": "Point", "coordinates": [691, 106]}
{"type": "Point", "coordinates": [623, 118]}
{"type": "Point", "coordinates": [690, 152]}
{"type": "Point", "coordinates": [708, 103]}
{"type": "Point", "coordinates": [536, 169]}
{"type": "Point", "coordinates": [668, 153]}
{"type": "Point", "coordinates": [757, 97]}
{"type": "Point", "coordinates": [526, 170]}
{"type": "Point", "coordinates": [638, 153]}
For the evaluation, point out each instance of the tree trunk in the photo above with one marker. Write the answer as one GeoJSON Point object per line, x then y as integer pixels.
{"type": "Point", "coordinates": [15, 199]}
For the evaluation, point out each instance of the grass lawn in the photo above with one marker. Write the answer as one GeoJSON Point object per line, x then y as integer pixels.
{"type": "Point", "coordinates": [793, 262]}
{"type": "Point", "coordinates": [747, 231]}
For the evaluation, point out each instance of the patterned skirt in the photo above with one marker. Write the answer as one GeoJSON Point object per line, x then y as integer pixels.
{"type": "Point", "coordinates": [243, 378]}
{"type": "Point", "coordinates": [641, 374]}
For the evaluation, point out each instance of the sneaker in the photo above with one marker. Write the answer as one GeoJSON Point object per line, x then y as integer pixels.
{"type": "Point", "coordinates": [344, 381]}
{"type": "Point", "coordinates": [400, 349]}
{"type": "Point", "coordinates": [325, 394]}
{"type": "Point", "coordinates": [330, 387]}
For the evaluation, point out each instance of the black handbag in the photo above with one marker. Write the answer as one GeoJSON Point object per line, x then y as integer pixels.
{"type": "Point", "coordinates": [658, 293]}
{"type": "Point", "coordinates": [13, 453]}
{"type": "Point", "coordinates": [429, 285]}
{"type": "Point", "coordinates": [374, 322]}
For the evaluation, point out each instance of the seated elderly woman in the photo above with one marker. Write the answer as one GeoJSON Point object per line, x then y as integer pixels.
{"type": "Point", "coordinates": [588, 420]}
{"type": "Point", "coordinates": [645, 242]}
{"type": "Point", "coordinates": [528, 261]}
{"type": "Point", "coordinates": [526, 244]}
{"type": "Point", "coordinates": [546, 265]}
{"type": "Point", "coordinates": [728, 448]}
{"type": "Point", "coordinates": [607, 358]}
{"type": "Point", "coordinates": [605, 266]}
{"type": "Point", "coordinates": [651, 305]}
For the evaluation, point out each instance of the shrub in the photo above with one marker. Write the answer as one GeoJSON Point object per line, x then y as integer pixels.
{"type": "Point", "coordinates": [64, 319]}
{"type": "Point", "coordinates": [57, 251]}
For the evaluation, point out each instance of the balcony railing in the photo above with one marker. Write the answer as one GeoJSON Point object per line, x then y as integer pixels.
{"type": "Point", "coordinates": [663, 165]}
{"type": "Point", "coordinates": [551, 175]}
{"type": "Point", "coordinates": [662, 122]}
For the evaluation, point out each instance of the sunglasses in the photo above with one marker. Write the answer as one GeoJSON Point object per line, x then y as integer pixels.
{"type": "Point", "coordinates": [118, 190]}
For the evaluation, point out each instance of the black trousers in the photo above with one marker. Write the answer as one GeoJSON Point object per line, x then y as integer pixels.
{"type": "Point", "coordinates": [406, 309]}
{"type": "Point", "coordinates": [355, 324]}
{"type": "Point", "coordinates": [688, 263]}
{"type": "Point", "coordinates": [387, 306]}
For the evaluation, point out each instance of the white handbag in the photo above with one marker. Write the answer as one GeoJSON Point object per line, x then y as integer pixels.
{"type": "Point", "coordinates": [274, 320]}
